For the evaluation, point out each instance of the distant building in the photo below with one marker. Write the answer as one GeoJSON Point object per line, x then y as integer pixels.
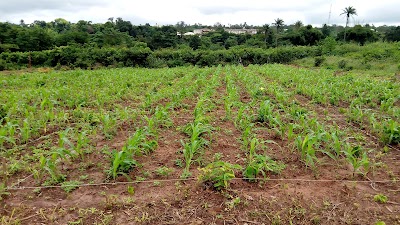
{"type": "Point", "coordinates": [242, 31]}
{"type": "Point", "coordinates": [202, 31]}
{"type": "Point", "coordinates": [231, 31]}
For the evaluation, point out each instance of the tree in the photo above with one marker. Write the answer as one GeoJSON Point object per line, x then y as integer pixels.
{"type": "Point", "coordinates": [194, 42]}
{"type": "Point", "coordinates": [298, 25]}
{"type": "Point", "coordinates": [326, 31]}
{"type": "Point", "coordinates": [60, 25]}
{"type": "Point", "coordinates": [34, 39]}
{"type": "Point", "coordinates": [231, 42]}
{"type": "Point", "coordinates": [279, 23]}
{"type": "Point", "coordinates": [266, 30]}
{"type": "Point", "coordinates": [181, 26]}
{"type": "Point", "coordinates": [393, 34]}
{"type": "Point", "coordinates": [304, 36]}
{"type": "Point", "coordinates": [360, 35]}
{"type": "Point", "coordinates": [22, 23]}
{"type": "Point", "coordinates": [39, 23]}
{"type": "Point", "coordinates": [123, 26]}
{"type": "Point", "coordinates": [164, 37]}
{"type": "Point", "coordinates": [348, 11]}
{"type": "Point", "coordinates": [72, 36]}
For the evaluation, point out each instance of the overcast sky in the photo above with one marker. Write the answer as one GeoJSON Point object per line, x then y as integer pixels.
{"type": "Point", "coordinates": [255, 12]}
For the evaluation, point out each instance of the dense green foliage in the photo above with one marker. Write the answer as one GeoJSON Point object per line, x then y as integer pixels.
{"type": "Point", "coordinates": [75, 57]}
{"type": "Point", "coordinates": [118, 43]}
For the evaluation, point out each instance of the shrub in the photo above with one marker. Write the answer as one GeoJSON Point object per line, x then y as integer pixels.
{"type": "Point", "coordinates": [342, 64]}
{"type": "Point", "coordinates": [318, 61]}
{"type": "Point", "coordinates": [218, 174]}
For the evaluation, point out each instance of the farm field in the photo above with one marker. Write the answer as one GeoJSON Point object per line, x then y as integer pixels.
{"type": "Point", "coordinates": [271, 144]}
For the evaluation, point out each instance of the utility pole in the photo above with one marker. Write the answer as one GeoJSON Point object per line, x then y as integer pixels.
{"type": "Point", "coordinates": [330, 12]}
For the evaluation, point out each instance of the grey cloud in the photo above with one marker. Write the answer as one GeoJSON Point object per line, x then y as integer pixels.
{"type": "Point", "coordinates": [383, 15]}
{"type": "Point", "coordinates": [310, 12]}
{"type": "Point", "coordinates": [30, 6]}
{"type": "Point", "coordinates": [276, 8]}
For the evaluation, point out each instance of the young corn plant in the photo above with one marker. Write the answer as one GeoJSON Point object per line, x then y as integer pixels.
{"type": "Point", "coordinates": [228, 108]}
{"type": "Point", "coordinates": [265, 112]}
{"type": "Point", "coordinates": [391, 132]}
{"type": "Point", "coordinates": [357, 158]}
{"type": "Point", "coordinates": [7, 133]}
{"type": "Point", "coordinates": [307, 149]}
{"type": "Point", "coordinates": [49, 165]}
{"type": "Point", "coordinates": [335, 143]}
{"type": "Point", "coordinates": [82, 142]}
{"type": "Point", "coordinates": [152, 125]}
{"type": "Point", "coordinates": [5, 137]}
{"type": "Point", "coordinates": [122, 163]}
{"type": "Point", "coordinates": [243, 119]}
{"type": "Point", "coordinates": [291, 130]}
{"type": "Point", "coordinates": [63, 139]}
{"type": "Point", "coordinates": [189, 151]}
{"type": "Point", "coordinates": [247, 135]}
{"type": "Point", "coordinates": [356, 114]}
{"type": "Point", "coordinates": [162, 117]}
{"type": "Point", "coordinates": [140, 143]}
{"type": "Point", "coordinates": [197, 130]}
{"type": "Point", "coordinates": [108, 123]}
{"type": "Point", "coordinates": [259, 163]}
{"type": "Point", "coordinates": [25, 131]}
{"type": "Point", "coordinates": [387, 104]}
{"type": "Point", "coordinates": [278, 126]}
{"type": "Point", "coordinates": [147, 101]}
{"type": "Point", "coordinates": [196, 143]}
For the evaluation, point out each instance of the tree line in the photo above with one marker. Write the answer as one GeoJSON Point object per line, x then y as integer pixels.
{"type": "Point", "coordinates": [41, 35]}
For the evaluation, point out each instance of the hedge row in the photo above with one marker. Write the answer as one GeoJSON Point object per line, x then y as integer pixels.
{"type": "Point", "coordinates": [89, 57]}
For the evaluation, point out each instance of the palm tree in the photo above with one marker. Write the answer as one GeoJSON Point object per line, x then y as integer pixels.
{"type": "Point", "coordinates": [298, 25]}
{"type": "Point", "coordinates": [279, 23]}
{"type": "Point", "coordinates": [348, 11]}
{"type": "Point", "coordinates": [266, 30]}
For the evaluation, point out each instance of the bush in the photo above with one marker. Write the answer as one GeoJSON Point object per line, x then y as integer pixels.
{"type": "Point", "coordinates": [76, 56]}
{"type": "Point", "coordinates": [218, 174]}
{"type": "Point", "coordinates": [318, 61]}
{"type": "Point", "coordinates": [3, 65]}
{"type": "Point", "coordinates": [328, 45]}
{"type": "Point", "coordinates": [342, 64]}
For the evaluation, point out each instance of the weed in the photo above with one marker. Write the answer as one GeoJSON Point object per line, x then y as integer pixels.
{"type": "Point", "coordinates": [259, 163]}
{"type": "Point", "coordinates": [3, 191]}
{"type": "Point", "coordinates": [69, 186]}
{"type": "Point", "coordinates": [218, 174]}
{"type": "Point", "coordinates": [232, 203]}
{"type": "Point", "coordinates": [179, 163]}
{"type": "Point", "coordinates": [164, 171]}
{"type": "Point", "coordinates": [380, 198]}
{"type": "Point", "coordinates": [131, 190]}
